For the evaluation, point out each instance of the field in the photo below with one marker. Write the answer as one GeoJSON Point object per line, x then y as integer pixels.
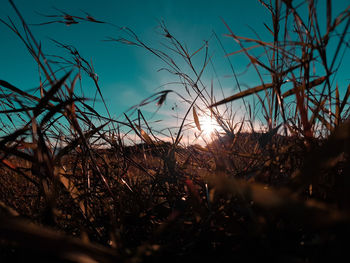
{"type": "Point", "coordinates": [74, 189]}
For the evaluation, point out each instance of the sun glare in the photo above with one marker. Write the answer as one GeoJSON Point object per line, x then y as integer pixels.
{"type": "Point", "coordinates": [209, 125]}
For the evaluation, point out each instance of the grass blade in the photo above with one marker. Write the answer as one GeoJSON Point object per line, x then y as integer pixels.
{"type": "Point", "coordinates": [195, 118]}
{"type": "Point", "coordinates": [243, 94]}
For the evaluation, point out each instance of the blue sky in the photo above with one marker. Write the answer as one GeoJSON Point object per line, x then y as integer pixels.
{"type": "Point", "coordinates": [119, 67]}
{"type": "Point", "coordinates": [128, 74]}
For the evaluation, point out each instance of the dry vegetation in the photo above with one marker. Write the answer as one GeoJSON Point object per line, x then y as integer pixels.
{"type": "Point", "coordinates": [282, 195]}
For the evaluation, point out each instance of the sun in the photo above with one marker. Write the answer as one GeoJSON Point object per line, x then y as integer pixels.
{"type": "Point", "coordinates": [209, 125]}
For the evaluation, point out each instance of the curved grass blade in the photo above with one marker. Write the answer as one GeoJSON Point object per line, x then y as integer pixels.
{"type": "Point", "coordinates": [312, 84]}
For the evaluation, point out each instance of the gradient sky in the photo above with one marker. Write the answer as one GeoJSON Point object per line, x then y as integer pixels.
{"type": "Point", "coordinates": [128, 74]}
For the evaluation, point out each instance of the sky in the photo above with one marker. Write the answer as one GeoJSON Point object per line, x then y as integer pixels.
{"type": "Point", "coordinates": [129, 74]}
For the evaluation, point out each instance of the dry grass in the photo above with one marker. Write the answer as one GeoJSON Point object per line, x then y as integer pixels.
{"type": "Point", "coordinates": [281, 195]}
